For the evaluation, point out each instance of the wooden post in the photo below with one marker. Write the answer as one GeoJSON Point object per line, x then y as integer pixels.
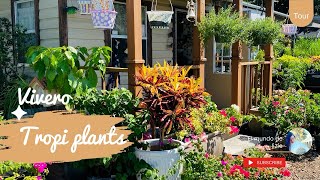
{"type": "Point", "coordinates": [235, 61]}
{"type": "Point", "coordinates": [63, 22]}
{"type": "Point", "coordinates": [268, 50]}
{"type": "Point", "coordinates": [198, 47]}
{"type": "Point", "coordinates": [134, 31]}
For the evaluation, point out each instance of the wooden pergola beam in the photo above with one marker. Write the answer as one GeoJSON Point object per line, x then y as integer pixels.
{"type": "Point", "coordinates": [198, 54]}
{"type": "Point", "coordinates": [268, 50]}
{"type": "Point", "coordinates": [134, 29]}
{"type": "Point", "coordinates": [235, 62]}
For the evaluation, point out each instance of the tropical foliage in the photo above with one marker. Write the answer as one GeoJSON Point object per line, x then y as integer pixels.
{"type": "Point", "coordinates": [169, 95]}
{"type": "Point", "coordinates": [62, 70]}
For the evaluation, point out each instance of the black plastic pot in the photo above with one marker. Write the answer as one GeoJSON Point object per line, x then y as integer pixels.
{"type": "Point", "coordinates": [317, 142]}
{"type": "Point", "coordinates": [269, 135]}
{"type": "Point", "coordinates": [66, 171]}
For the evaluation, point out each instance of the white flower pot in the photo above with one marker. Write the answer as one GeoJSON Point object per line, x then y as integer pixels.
{"type": "Point", "coordinates": [161, 160]}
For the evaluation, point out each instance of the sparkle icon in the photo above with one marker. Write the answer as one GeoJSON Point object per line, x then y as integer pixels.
{"type": "Point", "coordinates": [19, 112]}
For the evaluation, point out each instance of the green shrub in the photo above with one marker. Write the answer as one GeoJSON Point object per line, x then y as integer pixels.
{"type": "Point", "coordinates": [307, 47]}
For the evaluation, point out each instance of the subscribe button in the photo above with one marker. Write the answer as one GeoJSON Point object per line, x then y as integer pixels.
{"type": "Point", "coordinates": [264, 162]}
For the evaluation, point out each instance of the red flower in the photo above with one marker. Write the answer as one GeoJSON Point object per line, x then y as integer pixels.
{"type": "Point", "coordinates": [275, 103]}
{"type": "Point", "coordinates": [285, 172]}
{"type": "Point", "coordinates": [274, 113]}
{"type": "Point", "coordinates": [232, 119]}
{"type": "Point", "coordinates": [223, 113]}
{"type": "Point", "coordinates": [234, 129]}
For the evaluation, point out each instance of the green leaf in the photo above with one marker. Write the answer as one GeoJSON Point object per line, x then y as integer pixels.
{"type": "Point", "coordinates": [51, 74]}
{"type": "Point", "coordinates": [92, 77]}
{"type": "Point", "coordinates": [72, 81]}
{"type": "Point", "coordinates": [68, 54]}
{"type": "Point", "coordinates": [72, 49]}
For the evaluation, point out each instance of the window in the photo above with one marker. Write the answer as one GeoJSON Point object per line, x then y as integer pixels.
{"type": "Point", "coordinates": [222, 61]}
{"type": "Point", "coordinates": [119, 35]}
{"type": "Point", "coordinates": [24, 14]}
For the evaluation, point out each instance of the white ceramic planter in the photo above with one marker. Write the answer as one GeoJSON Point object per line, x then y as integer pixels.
{"type": "Point", "coordinates": [161, 160]}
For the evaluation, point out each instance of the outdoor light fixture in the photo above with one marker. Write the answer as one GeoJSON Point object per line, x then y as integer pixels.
{"type": "Point", "coordinates": [192, 12]}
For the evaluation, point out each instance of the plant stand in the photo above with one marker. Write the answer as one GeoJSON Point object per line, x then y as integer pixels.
{"type": "Point", "coordinates": [161, 160]}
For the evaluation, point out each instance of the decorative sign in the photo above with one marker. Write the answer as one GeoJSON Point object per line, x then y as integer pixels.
{"type": "Point", "coordinates": [37, 99]}
{"type": "Point", "coordinates": [62, 137]}
{"type": "Point", "coordinates": [301, 12]}
{"type": "Point", "coordinates": [289, 29]}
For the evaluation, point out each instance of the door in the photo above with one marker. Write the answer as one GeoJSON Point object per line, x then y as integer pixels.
{"type": "Point", "coordinates": [183, 38]}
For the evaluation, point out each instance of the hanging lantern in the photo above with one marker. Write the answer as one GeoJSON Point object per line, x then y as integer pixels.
{"type": "Point", "coordinates": [85, 7]}
{"type": "Point", "coordinates": [103, 14]}
{"type": "Point", "coordinates": [159, 19]}
{"type": "Point", "coordinates": [289, 29]}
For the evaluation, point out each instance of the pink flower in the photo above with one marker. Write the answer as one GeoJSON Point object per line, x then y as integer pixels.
{"type": "Point", "coordinates": [246, 174]}
{"type": "Point", "coordinates": [40, 167]}
{"type": "Point", "coordinates": [203, 136]}
{"type": "Point", "coordinates": [275, 103]}
{"type": "Point", "coordinates": [220, 174]}
{"type": "Point", "coordinates": [223, 113]}
{"type": "Point", "coordinates": [274, 113]}
{"type": "Point", "coordinates": [224, 162]}
{"type": "Point", "coordinates": [234, 129]}
{"type": "Point", "coordinates": [170, 140]}
{"type": "Point", "coordinates": [161, 144]}
{"type": "Point", "coordinates": [206, 155]}
{"type": "Point", "coordinates": [232, 119]}
{"type": "Point", "coordinates": [194, 137]}
{"type": "Point", "coordinates": [39, 178]}
{"type": "Point", "coordinates": [188, 141]}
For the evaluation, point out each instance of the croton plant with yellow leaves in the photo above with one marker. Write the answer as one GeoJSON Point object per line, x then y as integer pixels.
{"type": "Point", "coordinates": [169, 95]}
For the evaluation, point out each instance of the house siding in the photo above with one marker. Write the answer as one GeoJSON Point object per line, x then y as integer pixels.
{"type": "Point", "coordinates": [5, 9]}
{"type": "Point", "coordinates": [49, 23]}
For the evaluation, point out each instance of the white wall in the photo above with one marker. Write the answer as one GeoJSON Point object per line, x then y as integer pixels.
{"type": "Point", "coordinates": [5, 9]}
{"type": "Point", "coordinates": [49, 23]}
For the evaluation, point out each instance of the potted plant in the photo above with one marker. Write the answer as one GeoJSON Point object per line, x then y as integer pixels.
{"type": "Point", "coordinates": [169, 95]}
{"type": "Point", "coordinates": [226, 26]}
{"type": "Point", "coordinates": [263, 31]}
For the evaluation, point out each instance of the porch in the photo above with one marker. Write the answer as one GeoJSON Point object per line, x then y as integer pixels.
{"type": "Point", "coordinates": [243, 86]}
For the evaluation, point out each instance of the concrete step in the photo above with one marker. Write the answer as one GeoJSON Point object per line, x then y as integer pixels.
{"type": "Point", "coordinates": [237, 144]}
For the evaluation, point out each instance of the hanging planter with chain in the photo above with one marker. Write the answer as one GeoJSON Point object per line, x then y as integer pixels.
{"type": "Point", "coordinates": [103, 14]}
{"type": "Point", "coordinates": [159, 19]}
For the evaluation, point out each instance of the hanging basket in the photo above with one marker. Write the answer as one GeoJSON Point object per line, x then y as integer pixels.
{"type": "Point", "coordinates": [159, 19]}
{"type": "Point", "coordinates": [289, 29]}
{"type": "Point", "coordinates": [85, 7]}
{"type": "Point", "coordinates": [103, 14]}
{"type": "Point", "coordinates": [103, 19]}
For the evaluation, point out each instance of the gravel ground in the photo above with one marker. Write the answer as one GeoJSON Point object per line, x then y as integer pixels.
{"type": "Point", "coordinates": [306, 167]}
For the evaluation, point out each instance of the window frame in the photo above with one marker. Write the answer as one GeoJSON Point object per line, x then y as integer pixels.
{"type": "Point", "coordinates": [215, 50]}
{"type": "Point", "coordinates": [144, 38]}
{"type": "Point", "coordinates": [16, 13]}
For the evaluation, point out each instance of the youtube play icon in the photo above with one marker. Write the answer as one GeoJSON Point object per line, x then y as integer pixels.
{"type": "Point", "coordinates": [264, 162]}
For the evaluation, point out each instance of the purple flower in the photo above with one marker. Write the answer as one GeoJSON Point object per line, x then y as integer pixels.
{"type": "Point", "coordinates": [39, 178]}
{"type": "Point", "coordinates": [170, 140]}
{"type": "Point", "coordinates": [188, 141]}
{"type": "Point", "coordinates": [161, 144]}
{"type": "Point", "coordinates": [220, 174]}
{"type": "Point", "coordinates": [224, 162]}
